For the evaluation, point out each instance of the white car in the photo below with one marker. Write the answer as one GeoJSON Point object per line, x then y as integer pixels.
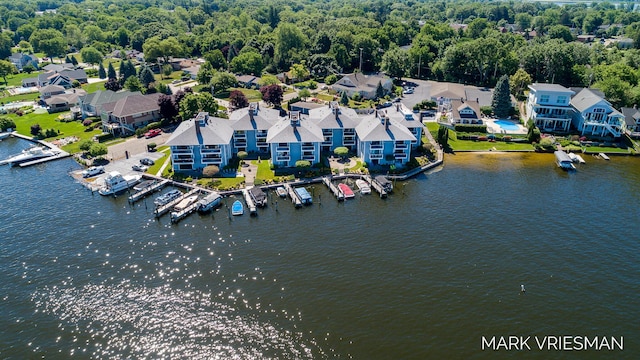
{"type": "Point", "coordinates": [141, 168]}
{"type": "Point", "coordinates": [408, 91]}
{"type": "Point", "coordinates": [92, 171]}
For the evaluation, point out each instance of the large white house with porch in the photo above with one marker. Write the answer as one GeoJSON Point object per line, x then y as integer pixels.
{"type": "Point", "coordinates": [594, 116]}
{"type": "Point", "coordinates": [549, 106]}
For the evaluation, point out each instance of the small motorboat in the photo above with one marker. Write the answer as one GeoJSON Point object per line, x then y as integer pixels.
{"type": "Point", "coordinates": [237, 209]}
{"type": "Point", "coordinates": [363, 186]}
{"type": "Point", "coordinates": [282, 192]}
{"type": "Point", "coordinates": [346, 191]}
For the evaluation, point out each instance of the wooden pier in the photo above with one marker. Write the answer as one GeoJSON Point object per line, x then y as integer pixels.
{"type": "Point", "coordinates": [334, 189]}
{"type": "Point", "coordinates": [249, 201]}
{"type": "Point", "coordinates": [159, 211]}
{"type": "Point", "coordinates": [146, 191]}
{"type": "Point", "coordinates": [295, 199]}
{"type": "Point", "coordinates": [375, 186]}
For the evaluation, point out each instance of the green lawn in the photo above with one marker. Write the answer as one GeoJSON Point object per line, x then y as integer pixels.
{"type": "Point", "coordinates": [325, 97]}
{"type": "Point", "coordinates": [252, 95]}
{"type": "Point", "coordinates": [91, 88]}
{"type": "Point", "coordinates": [16, 79]}
{"type": "Point", "coordinates": [605, 149]}
{"type": "Point", "coordinates": [264, 170]}
{"type": "Point", "coordinates": [153, 169]}
{"type": "Point", "coordinates": [48, 121]}
{"type": "Point", "coordinates": [470, 145]}
{"type": "Point", "coordinates": [176, 75]}
{"type": "Point", "coordinates": [5, 98]}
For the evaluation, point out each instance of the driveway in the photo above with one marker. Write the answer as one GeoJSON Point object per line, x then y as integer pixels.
{"type": "Point", "coordinates": [134, 146]}
{"type": "Point", "coordinates": [422, 91]}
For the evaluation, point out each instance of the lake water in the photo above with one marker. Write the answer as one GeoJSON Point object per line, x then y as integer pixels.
{"type": "Point", "coordinates": [423, 274]}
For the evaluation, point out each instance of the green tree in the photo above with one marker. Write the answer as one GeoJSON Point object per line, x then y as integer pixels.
{"type": "Point", "coordinates": [331, 79]}
{"type": "Point", "coordinates": [560, 32]}
{"type": "Point", "coordinates": [299, 72]}
{"type": "Point", "coordinates": [222, 81]}
{"type": "Point", "coordinates": [167, 70]}
{"type": "Point", "coordinates": [193, 103]}
{"type": "Point", "coordinates": [133, 84]}
{"type": "Point", "coordinates": [35, 129]}
{"type": "Point", "coordinates": [216, 59]}
{"type": "Point", "coordinates": [6, 124]}
{"type": "Point", "coordinates": [533, 133]}
{"type": "Point", "coordinates": [5, 45]}
{"type": "Point", "coordinates": [102, 74]}
{"type": "Point", "coordinates": [519, 83]}
{"type": "Point", "coordinates": [268, 79]}
{"type": "Point", "coordinates": [91, 55]}
{"type": "Point", "coordinates": [443, 136]}
{"type": "Point", "coordinates": [395, 62]}
{"type": "Point", "coordinates": [6, 68]}
{"type": "Point", "coordinates": [146, 76]}
{"type": "Point", "coordinates": [111, 72]}
{"type": "Point", "coordinates": [341, 151]}
{"type": "Point", "coordinates": [210, 171]}
{"type": "Point", "coordinates": [247, 63]}
{"type": "Point", "coordinates": [344, 99]}
{"type": "Point", "coordinates": [304, 94]}
{"type": "Point", "coordinates": [379, 90]}
{"type": "Point", "coordinates": [290, 45]}
{"type": "Point", "coordinates": [98, 150]}
{"type": "Point", "coordinates": [85, 144]}
{"type": "Point", "coordinates": [49, 41]}
{"type": "Point", "coordinates": [501, 99]}
{"type": "Point", "coordinates": [616, 91]}
{"type": "Point", "coordinates": [121, 37]}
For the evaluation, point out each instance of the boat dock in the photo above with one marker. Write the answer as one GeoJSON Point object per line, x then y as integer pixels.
{"type": "Point", "coordinates": [61, 154]}
{"type": "Point", "coordinates": [334, 189]}
{"type": "Point", "coordinates": [377, 187]}
{"type": "Point", "coordinates": [179, 215]}
{"type": "Point", "coordinates": [249, 201]}
{"type": "Point", "coordinates": [146, 191]}
{"type": "Point", "coordinates": [295, 199]}
{"type": "Point", "coordinates": [165, 208]}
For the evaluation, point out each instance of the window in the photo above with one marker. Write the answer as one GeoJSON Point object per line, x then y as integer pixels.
{"type": "Point", "coordinates": [544, 98]}
{"type": "Point", "coordinates": [562, 99]}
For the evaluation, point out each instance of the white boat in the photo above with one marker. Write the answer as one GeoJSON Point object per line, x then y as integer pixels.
{"type": "Point", "coordinates": [209, 202]}
{"type": "Point", "coordinates": [604, 156]}
{"type": "Point", "coordinates": [282, 192]}
{"type": "Point", "coordinates": [144, 185]}
{"type": "Point", "coordinates": [30, 154]}
{"type": "Point", "coordinates": [114, 183]}
{"type": "Point", "coordinates": [572, 156]}
{"type": "Point", "coordinates": [580, 159]}
{"type": "Point", "coordinates": [167, 197]}
{"type": "Point", "coordinates": [363, 186]}
{"type": "Point", "coordinates": [184, 203]}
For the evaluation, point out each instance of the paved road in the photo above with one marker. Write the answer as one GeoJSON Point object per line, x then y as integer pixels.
{"type": "Point", "coordinates": [135, 146]}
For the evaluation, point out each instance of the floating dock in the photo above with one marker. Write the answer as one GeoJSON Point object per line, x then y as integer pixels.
{"type": "Point", "coordinates": [377, 187]}
{"type": "Point", "coordinates": [295, 199]}
{"type": "Point", "coordinates": [146, 191]}
{"type": "Point", "coordinates": [165, 208]}
{"type": "Point", "coordinates": [249, 201]}
{"type": "Point", "coordinates": [334, 189]}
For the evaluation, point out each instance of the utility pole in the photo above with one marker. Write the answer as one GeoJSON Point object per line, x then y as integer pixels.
{"type": "Point", "coordinates": [360, 60]}
{"type": "Point", "coordinates": [419, 65]}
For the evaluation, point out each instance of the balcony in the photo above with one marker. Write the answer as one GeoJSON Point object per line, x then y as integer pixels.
{"type": "Point", "coordinates": [376, 147]}
{"type": "Point", "coordinates": [400, 156]}
{"type": "Point", "coordinates": [308, 148]}
{"type": "Point", "coordinates": [181, 151]}
{"type": "Point", "coordinates": [282, 158]}
{"type": "Point", "coordinates": [282, 148]}
{"type": "Point", "coordinates": [182, 161]}
{"type": "Point", "coordinates": [309, 158]}
{"type": "Point", "coordinates": [375, 156]}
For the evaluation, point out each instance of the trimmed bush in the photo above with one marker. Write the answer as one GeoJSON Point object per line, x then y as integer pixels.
{"type": "Point", "coordinates": [471, 128]}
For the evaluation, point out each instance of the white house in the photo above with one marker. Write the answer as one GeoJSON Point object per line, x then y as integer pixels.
{"type": "Point", "coordinates": [594, 116]}
{"type": "Point", "coordinates": [549, 107]}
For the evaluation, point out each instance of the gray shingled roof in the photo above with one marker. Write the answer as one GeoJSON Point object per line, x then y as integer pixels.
{"type": "Point", "coordinates": [371, 128]}
{"type": "Point", "coordinates": [284, 132]}
{"type": "Point", "coordinates": [216, 132]}
{"type": "Point", "coordinates": [263, 120]}
{"type": "Point", "coordinates": [325, 118]}
{"type": "Point", "coordinates": [106, 96]}
{"type": "Point", "coordinates": [549, 87]}
{"type": "Point", "coordinates": [447, 90]}
{"type": "Point", "coordinates": [457, 105]}
{"type": "Point", "coordinates": [51, 89]}
{"type": "Point", "coordinates": [586, 99]}
{"type": "Point", "coordinates": [399, 112]}
{"type": "Point", "coordinates": [482, 95]}
{"type": "Point", "coordinates": [631, 115]}
{"type": "Point", "coordinates": [134, 104]}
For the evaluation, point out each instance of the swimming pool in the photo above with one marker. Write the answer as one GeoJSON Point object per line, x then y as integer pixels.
{"type": "Point", "coordinates": [507, 125]}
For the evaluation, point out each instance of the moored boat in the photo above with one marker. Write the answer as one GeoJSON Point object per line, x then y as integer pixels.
{"type": "Point", "coordinates": [114, 183]}
{"type": "Point", "coordinates": [304, 195]}
{"type": "Point", "coordinates": [209, 202]}
{"type": "Point", "coordinates": [237, 209]}
{"type": "Point", "coordinates": [167, 197]}
{"type": "Point", "coordinates": [258, 196]}
{"type": "Point", "coordinates": [346, 191]}
{"type": "Point", "coordinates": [563, 160]}
{"type": "Point", "coordinates": [604, 156]}
{"type": "Point", "coordinates": [282, 192]}
{"type": "Point", "coordinates": [384, 183]}
{"type": "Point", "coordinates": [363, 186]}
{"type": "Point", "coordinates": [32, 153]}
{"type": "Point", "coordinates": [144, 184]}
{"type": "Point", "coordinates": [184, 203]}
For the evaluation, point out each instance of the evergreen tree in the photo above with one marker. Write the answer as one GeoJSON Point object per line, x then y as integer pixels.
{"type": "Point", "coordinates": [344, 99]}
{"type": "Point", "coordinates": [379, 90]}
{"type": "Point", "coordinates": [101, 73]}
{"type": "Point", "coordinates": [146, 76]}
{"type": "Point", "coordinates": [443, 136]}
{"type": "Point", "coordinates": [74, 61]}
{"type": "Point", "coordinates": [111, 72]}
{"type": "Point", "coordinates": [67, 60]}
{"type": "Point", "coordinates": [123, 69]}
{"type": "Point", "coordinates": [501, 100]}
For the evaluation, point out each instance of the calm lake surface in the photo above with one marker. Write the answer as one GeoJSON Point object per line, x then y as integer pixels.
{"type": "Point", "coordinates": [423, 274]}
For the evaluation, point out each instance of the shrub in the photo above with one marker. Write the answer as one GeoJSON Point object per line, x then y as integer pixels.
{"type": "Point", "coordinates": [104, 137]}
{"type": "Point", "coordinates": [210, 171]}
{"type": "Point", "coordinates": [331, 79]}
{"type": "Point", "coordinates": [471, 128]}
{"type": "Point", "coordinates": [87, 122]}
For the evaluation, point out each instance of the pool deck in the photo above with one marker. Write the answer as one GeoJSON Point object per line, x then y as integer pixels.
{"type": "Point", "coordinates": [494, 128]}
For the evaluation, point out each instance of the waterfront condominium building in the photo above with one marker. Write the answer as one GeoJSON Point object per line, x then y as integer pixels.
{"type": "Point", "coordinates": [250, 127]}
{"type": "Point", "coordinates": [338, 125]}
{"type": "Point", "coordinates": [293, 138]}
{"type": "Point", "coordinates": [196, 143]}
{"type": "Point", "coordinates": [383, 141]}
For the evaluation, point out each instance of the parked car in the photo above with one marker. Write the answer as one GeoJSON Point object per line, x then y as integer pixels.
{"type": "Point", "coordinates": [92, 171]}
{"type": "Point", "coordinates": [152, 133]}
{"type": "Point", "coordinates": [147, 161]}
{"type": "Point", "coordinates": [397, 100]}
{"type": "Point", "coordinates": [408, 91]}
{"type": "Point", "coordinates": [141, 168]}
{"type": "Point", "coordinates": [385, 104]}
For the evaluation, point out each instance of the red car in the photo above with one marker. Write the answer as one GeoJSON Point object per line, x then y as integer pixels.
{"type": "Point", "coordinates": [151, 133]}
